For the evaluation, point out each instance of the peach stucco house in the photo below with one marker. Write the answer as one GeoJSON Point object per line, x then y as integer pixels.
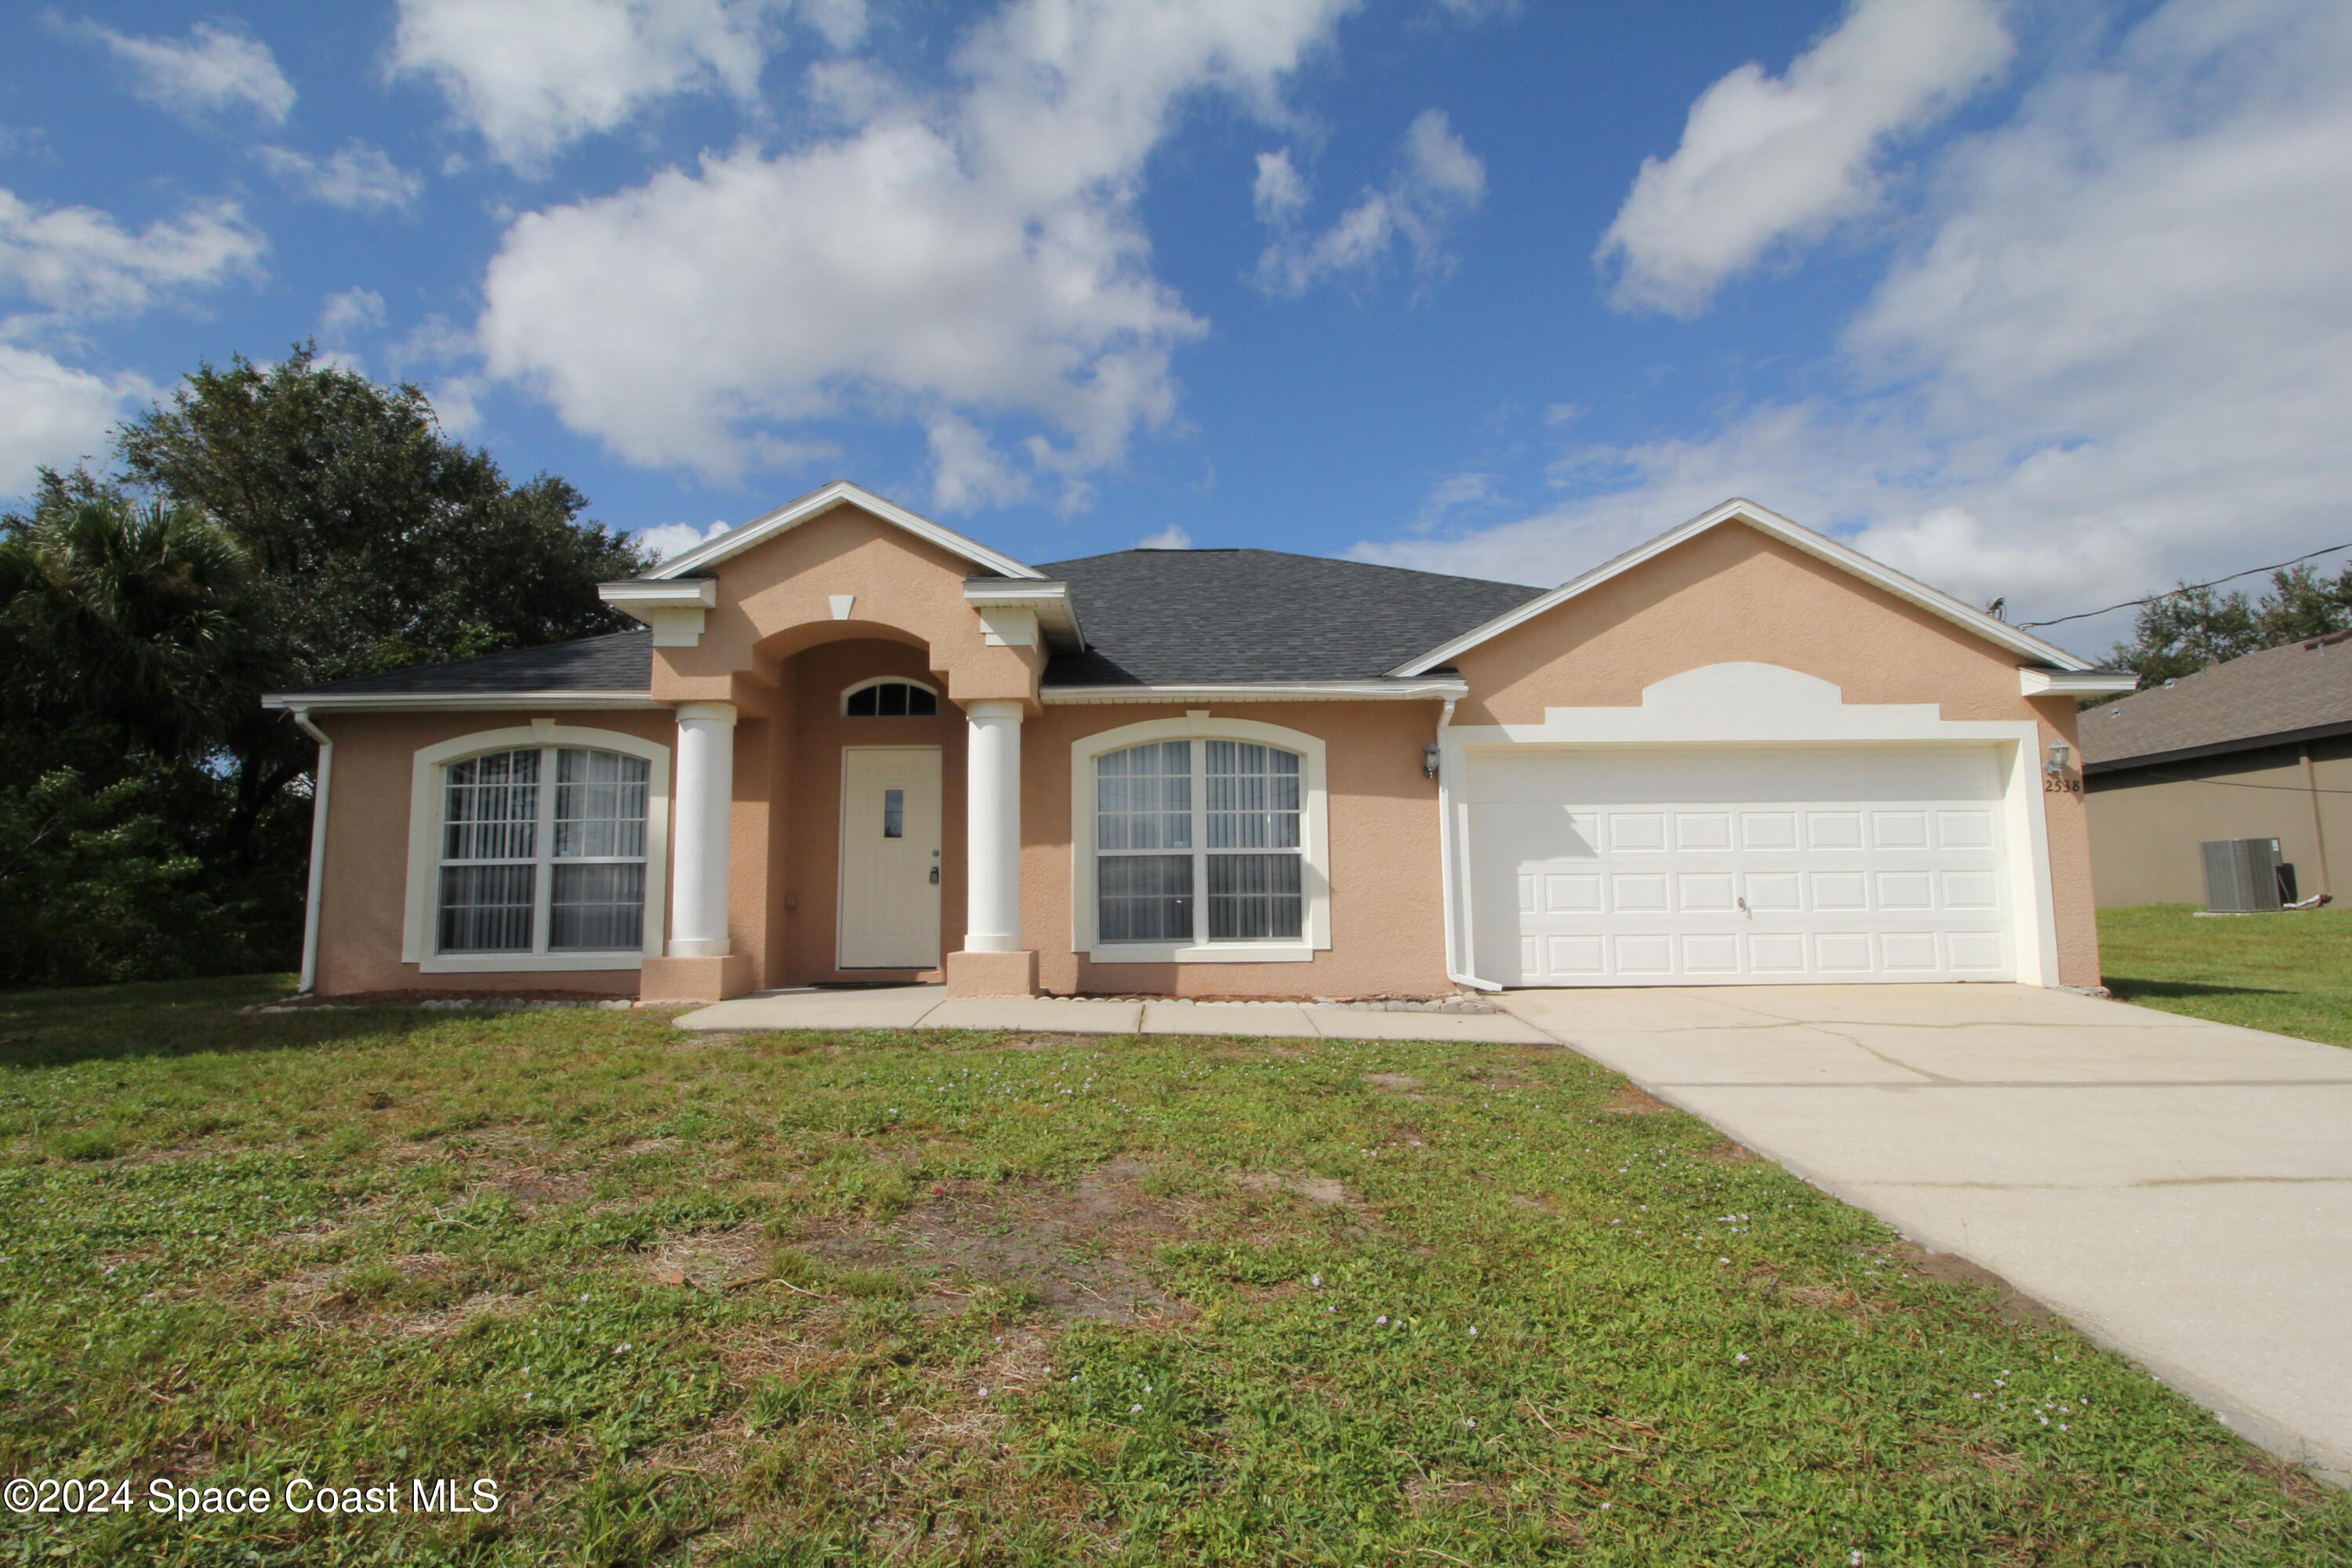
{"type": "Point", "coordinates": [853, 745]}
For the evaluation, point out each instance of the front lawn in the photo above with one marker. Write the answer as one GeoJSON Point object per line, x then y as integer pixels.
{"type": "Point", "coordinates": [2289, 973]}
{"type": "Point", "coordinates": [949, 1298]}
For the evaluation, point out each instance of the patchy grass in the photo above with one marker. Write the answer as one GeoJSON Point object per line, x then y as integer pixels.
{"type": "Point", "coordinates": [901, 1298]}
{"type": "Point", "coordinates": [2290, 973]}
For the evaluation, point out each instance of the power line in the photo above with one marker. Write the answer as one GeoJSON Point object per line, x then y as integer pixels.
{"type": "Point", "coordinates": [2184, 588]}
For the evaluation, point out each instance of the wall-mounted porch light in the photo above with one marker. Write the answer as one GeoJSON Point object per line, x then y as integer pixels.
{"type": "Point", "coordinates": [2059, 751]}
{"type": "Point", "coordinates": [1429, 761]}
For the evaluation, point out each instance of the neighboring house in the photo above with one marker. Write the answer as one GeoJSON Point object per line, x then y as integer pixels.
{"type": "Point", "coordinates": [2259, 747]}
{"type": "Point", "coordinates": [854, 745]}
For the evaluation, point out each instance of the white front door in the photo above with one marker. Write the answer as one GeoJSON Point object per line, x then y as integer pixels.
{"type": "Point", "coordinates": [1649, 867]}
{"type": "Point", "coordinates": [889, 915]}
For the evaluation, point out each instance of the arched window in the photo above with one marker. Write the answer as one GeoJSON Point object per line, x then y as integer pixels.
{"type": "Point", "coordinates": [542, 850]}
{"type": "Point", "coordinates": [891, 698]}
{"type": "Point", "coordinates": [1200, 841]}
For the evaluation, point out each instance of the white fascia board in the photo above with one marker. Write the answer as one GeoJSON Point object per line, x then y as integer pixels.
{"type": "Point", "coordinates": [710, 552]}
{"type": "Point", "coordinates": [1430, 691]}
{"type": "Point", "coordinates": [676, 611]}
{"type": "Point", "coordinates": [1049, 601]}
{"type": "Point", "coordinates": [1819, 545]}
{"type": "Point", "coordinates": [2034, 682]}
{"type": "Point", "coordinates": [458, 702]}
{"type": "Point", "coordinates": [701, 592]}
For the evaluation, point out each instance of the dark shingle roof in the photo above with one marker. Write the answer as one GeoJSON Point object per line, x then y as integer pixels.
{"type": "Point", "coordinates": [1154, 617]}
{"type": "Point", "coordinates": [2247, 701]}
{"type": "Point", "coordinates": [1172, 618]}
{"type": "Point", "coordinates": [618, 661]}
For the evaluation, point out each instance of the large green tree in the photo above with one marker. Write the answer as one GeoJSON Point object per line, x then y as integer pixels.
{"type": "Point", "coordinates": [268, 526]}
{"type": "Point", "coordinates": [2187, 630]}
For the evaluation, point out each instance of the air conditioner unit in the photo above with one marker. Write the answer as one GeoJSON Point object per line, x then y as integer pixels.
{"type": "Point", "coordinates": [2242, 876]}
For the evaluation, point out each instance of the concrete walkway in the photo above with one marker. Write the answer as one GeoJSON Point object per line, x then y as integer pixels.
{"type": "Point", "coordinates": [2181, 1190]}
{"type": "Point", "coordinates": [928, 1007]}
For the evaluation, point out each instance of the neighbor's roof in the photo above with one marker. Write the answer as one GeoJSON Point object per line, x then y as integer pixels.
{"type": "Point", "coordinates": [2282, 694]}
{"type": "Point", "coordinates": [1180, 617]}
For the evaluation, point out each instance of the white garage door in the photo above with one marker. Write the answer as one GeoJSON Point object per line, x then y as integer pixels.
{"type": "Point", "coordinates": [1668, 867]}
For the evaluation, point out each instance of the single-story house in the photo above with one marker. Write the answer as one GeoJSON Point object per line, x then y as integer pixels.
{"type": "Point", "coordinates": [2257, 747]}
{"type": "Point", "coordinates": [852, 744]}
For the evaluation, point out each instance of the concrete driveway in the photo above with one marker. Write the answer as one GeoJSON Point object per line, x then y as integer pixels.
{"type": "Point", "coordinates": [2181, 1190]}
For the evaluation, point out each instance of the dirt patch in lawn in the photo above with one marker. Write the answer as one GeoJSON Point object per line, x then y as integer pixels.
{"type": "Point", "coordinates": [713, 1262]}
{"type": "Point", "coordinates": [1632, 1101]}
{"type": "Point", "coordinates": [2013, 1305]}
{"type": "Point", "coordinates": [1080, 1251]}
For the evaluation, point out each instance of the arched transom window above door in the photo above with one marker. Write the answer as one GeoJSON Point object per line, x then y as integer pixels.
{"type": "Point", "coordinates": [889, 696]}
{"type": "Point", "coordinates": [1198, 841]}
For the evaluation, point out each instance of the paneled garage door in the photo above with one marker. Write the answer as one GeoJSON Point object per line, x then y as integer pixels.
{"type": "Point", "coordinates": [1670, 866]}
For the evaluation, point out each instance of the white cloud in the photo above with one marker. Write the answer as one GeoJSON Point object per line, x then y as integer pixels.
{"type": "Point", "coordinates": [972, 256]}
{"type": "Point", "coordinates": [667, 539]}
{"type": "Point", "coordinates": [534, 76]}
{"type": "Point", "coordinates": [1437, 182]}
{"type": "Point", "coordinates": [2119, 358]}
{"type": "Point", "coordinates": [358, 177]}
{"type": "Point", "coordinates": [52, 413]}
{"type": "Point", "coordinates": [214, 68]}
{"type": "Point", "coordinates": [352, 311]}
{"type": "Point", "coordinates": [78, 260]}
{"type": "Point", "coordinates": [967, 470]}
{"type": "Point", "coordinates": [1767, 161]}
{"type": "Point", "coordinates": [1171, 537]}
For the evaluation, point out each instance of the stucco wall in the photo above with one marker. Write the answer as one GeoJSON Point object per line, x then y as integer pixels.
{"type": "Point", "coordinates": [1387, 927]}
{"type": "Point", "coordinates": [2145, 824]}
{"type": "Point", "coordinates": [366, 881]}
{"type": "Point", "coordinates": [774, 600]}
{"type": "Point", "coordinates": [1734, 594]}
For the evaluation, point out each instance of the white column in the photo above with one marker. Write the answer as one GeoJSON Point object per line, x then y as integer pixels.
{"type": "Point", "coordinates": [702, 815]}
{"type": "Point", "coordinates": [992, 827]}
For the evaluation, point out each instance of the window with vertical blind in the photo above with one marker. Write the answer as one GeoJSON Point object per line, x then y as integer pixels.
{"type": "Point", "coordinates": [542, 850]}
{"type": "Point", "coordinates": [1199, 841]}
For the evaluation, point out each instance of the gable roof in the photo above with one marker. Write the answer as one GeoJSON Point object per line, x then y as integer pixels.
{"type": "Point", "coordinates": [1764, 521]}
{"type": "Point", "coordinates": [697, 561]}
{"type": "Point", "coordinates": [2281, 694]}
{"type": "Point", "coordinates": [618, 665]}
{"type": "Point", "coordinates": [1199, 617]}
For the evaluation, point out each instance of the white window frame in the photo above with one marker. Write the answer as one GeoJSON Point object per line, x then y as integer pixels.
{"type": "Point", "coordinates": [848, 691]}
{"type": "Point", "coordinates": [427, 796]}
{"type": "Point", "coordinates": [1315, 847]}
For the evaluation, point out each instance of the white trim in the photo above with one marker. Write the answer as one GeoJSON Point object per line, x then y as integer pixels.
{"type": "Point", "coordinates": [2031, 682]}
{"type": "Point", "coordinates": [1819, 545]}
{"type": "Point", "coordinates": [1008, 626]}
{"type": "Point", "coordinates": [1753, 705]}
{"type": "Point", "coordinates": [1049, 603]}
{"type": "Point", "coordinates": [425, 855]}
{"type": "Point", "coordinates": [321, 778]}
{"type": "Point", "coordinates": [453, 702]}
{"type": "Point", "coordinates": [631, 594]}
{"type": "Point", "coordinates": [1426, 690]}
{"type": "Point", "coordinates": [676, 611]}
{"type": "Point", "coordinates": [793, 513]}
{"type": "Point", "coordinates": [1314, 834]}
{"type": "Point", "coordinates": [885, 680]}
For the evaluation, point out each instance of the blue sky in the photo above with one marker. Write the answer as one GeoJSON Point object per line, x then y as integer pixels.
{"type": "Point", "coordinates": [2047, 301]}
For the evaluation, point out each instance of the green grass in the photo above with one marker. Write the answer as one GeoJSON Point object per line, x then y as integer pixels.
{"type": "Point", "coordinates": [954, 1298]}
{"type": "Point", "coordinates": [2290, 972]}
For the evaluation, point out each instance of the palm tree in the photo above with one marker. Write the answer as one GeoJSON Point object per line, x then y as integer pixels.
{"type": "Point", "coordinates": [135, 618]}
